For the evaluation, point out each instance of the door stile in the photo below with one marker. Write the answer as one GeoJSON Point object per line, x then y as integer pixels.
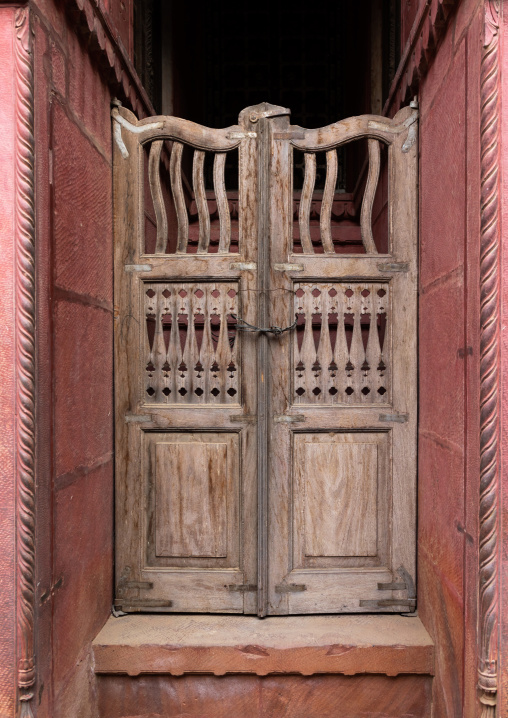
{"type": "Point", "coordinates": [263, 380]}
{"type": "Point", "coordinates": [279, 349]}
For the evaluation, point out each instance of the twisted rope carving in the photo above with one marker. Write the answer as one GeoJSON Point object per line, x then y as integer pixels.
{"type": "Point", "coordinates": [25, 362]}
{"type": "Point", "coordinates": [489, 362]}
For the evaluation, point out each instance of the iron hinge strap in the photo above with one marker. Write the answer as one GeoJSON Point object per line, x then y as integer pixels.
{"type": "Point", "coordinates": [389, 602]}
{"type": "Point", "coordinates": [280, 588]}
{"type": "Point", "coordinates": [125, 603]}
{"type": "Point", "coordinates": [290, 588]}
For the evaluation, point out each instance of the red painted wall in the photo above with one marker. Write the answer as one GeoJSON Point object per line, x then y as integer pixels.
{"type": "Point", "coordinates": [408, 12]}
{"type": "Point", "coordinates": [75, 340]}
{"type": "Point", "coordinates": [449, 359]}
{"type": "Point", "coordinates": [7, 368]}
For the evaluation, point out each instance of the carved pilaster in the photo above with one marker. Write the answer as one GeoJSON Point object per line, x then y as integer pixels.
{"type": "Point", "coordinates": [25, 362]}
{"type": "Point", "coordinates": [489, 363]}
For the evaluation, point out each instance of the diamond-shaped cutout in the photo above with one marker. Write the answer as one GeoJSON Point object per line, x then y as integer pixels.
{"type": "Point", "coordinates": [365, 390]}
{"type": "Point", "coordinates": [316, 391]}
{"type": "Point", "coordinates": [166, 293]}
{"type": "Point", "coordinates": [350, 390]}
{"type": "Point", "coordinates": [182, 391]}
{"type": "Point", "coordinates": [150, 293]}
{"type": "Point", "coordinates": [198, 391]}
{"type": "Point", "coordinates": [231, 391]}
{"type": "Point", "coordinates": [332, 390]}
{"type": "Point", "coordinates": [381, 390]}
{"type": "Point", "coordinates": [316, 292]}
{"type": "Point", "coordinates": [215, 391]}
{"type": "Point", "coordinates": [300, 391]}
{"type": "Point", "coordinates": [166, 391]}
{"type": "Point", "coordinates": [150, 391]}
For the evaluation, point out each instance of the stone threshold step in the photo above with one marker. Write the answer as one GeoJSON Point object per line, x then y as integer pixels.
{"type": "Point", "coordinates": [218, 644]}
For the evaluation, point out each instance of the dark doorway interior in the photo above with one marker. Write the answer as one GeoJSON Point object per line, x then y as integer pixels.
{"type": "Point", "coordinates": [209, 60]}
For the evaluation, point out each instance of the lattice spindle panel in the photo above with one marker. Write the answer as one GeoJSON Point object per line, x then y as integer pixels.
{"type": "Point", "coordinates": [341, 349]}
{"type": "Point", "coordinates": [189, 349]}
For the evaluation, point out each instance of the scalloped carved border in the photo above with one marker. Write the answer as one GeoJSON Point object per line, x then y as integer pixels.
{"type": "Point", "coordinates": [489, 363]}
{"type": "Point", "coordinates": [25, 361]}
{"type": "Point", "coordinates": [92, 20]}
{"type": "Point", "coordinates": [428, 29]}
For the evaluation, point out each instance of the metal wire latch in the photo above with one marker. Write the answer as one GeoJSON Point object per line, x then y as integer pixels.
{"type": "Point", "coordinates": [246, 327]}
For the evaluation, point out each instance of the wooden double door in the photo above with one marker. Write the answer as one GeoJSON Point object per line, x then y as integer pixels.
{"type": "Point", "coordinates": [265, 370]}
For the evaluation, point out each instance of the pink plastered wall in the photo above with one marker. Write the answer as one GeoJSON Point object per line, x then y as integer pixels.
{"type": "Point", "coordinates": [75, 372]}
{"type": "Point", "coordinates": [449, 359]}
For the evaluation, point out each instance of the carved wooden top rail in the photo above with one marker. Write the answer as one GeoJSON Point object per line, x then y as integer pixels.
{"type": "Point", "coordinates": [166, 127]}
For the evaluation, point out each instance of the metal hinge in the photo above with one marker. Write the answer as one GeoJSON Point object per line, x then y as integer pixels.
{"type": "Point", "coordinates": [137, 418]}
{"type": "Point", "coordinates": [138, 267]}
{"type": "Point", "coordinates": [290, 588]}
{"type": "Point", "coordinates": [288, 419]}
{"type": "Point", "coordinates": [388, 602]}
{"type": "Point", "coordinates": [243, 266]}
{"type": "Point", "coordinates": [241, 135]}
{"type": "Point", "coordinates": [288, 267]}
{"type": "Point", "coordinates": [394, 267]}
{"type": "Point", "coordinates": [406, 584]}
{"type": "Point", "coordinates": [137, 605]}
{"type": "Point", "coordinates": [145, 585]}
{"type": "Point", "coordinates": [397, 418]}
{"type": "Point", "coordinates": [242, 587]}
{"type": "Point", "coordinates": [289, 135]}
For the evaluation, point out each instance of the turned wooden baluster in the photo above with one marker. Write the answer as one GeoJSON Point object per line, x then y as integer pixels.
{"type": "Point", "coordinates": [149, 367]}
{"type": "Point", "coordinates": [324, 352]}
{"type": "Point", "coordinates": [215, 371]}
{"type": "Point", "coordinates": [300, 387]}
{"type": "Point", "coordinates": [232, 365]}
{"type": "Point", "coordinates": [383, 366]}
{"type": "Point", "coordinates": [167, 371]}
{"type": "Point", "coordinates": [341, 353]}
{"type": "Point", "coordinates": [197, 366]}
{"type": "Point", "coordinates": [367, 385]}
{"type": "Point", "coordinates": [159, 348]}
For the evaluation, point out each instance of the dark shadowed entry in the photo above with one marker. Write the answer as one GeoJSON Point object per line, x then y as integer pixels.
{"type": "Point", "coordinates": [265, 368]}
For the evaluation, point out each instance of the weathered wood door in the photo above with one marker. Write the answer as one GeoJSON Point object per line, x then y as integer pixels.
{"type": "Point", "coordinates": [265, 380]}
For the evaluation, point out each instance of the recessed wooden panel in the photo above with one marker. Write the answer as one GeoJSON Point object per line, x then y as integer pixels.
{"type": "Point", "coordinates": [191, 499]}
{"type": "Point", "coordinates": [340, 499]}
{"type": "Point", "coordinates": [342, 486]}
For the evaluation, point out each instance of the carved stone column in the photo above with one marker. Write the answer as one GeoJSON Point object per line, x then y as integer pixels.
{"type": "Point", "coordinates": [25, 361]}
{"type": "Point", "coordinates": [489, 364]}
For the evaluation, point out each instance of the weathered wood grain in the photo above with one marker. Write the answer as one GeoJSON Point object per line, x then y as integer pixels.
{"type": "Point", "coordinates": [316, 486]}
{"type": "Point", "coordinates": [191, 499]}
